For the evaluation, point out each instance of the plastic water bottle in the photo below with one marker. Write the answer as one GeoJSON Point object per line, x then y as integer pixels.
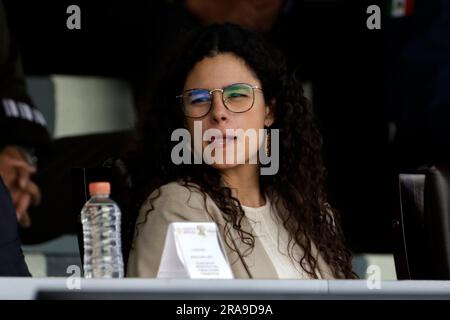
{"type": "Point", "coordinates": [101, 234]}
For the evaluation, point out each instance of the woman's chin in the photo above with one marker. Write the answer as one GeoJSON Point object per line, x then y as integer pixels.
{"type": "Point", "coordinates": [230, 164]}
{"type": "Point", "coordinates": [224, 166]}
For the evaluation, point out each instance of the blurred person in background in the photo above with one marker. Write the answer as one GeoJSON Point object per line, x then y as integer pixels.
{"type": "Point", "coordinates": [22, 130]}
{"type": "Point", "coordinates": [43, 204]}
{"type": "Point", "coordinates": [417, 83]}
{"type": "Point", "coordinates": [12, 261]}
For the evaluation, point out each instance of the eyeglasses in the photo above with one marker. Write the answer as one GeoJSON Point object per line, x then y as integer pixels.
{"type": "Point", "coordinates": [237, 98]}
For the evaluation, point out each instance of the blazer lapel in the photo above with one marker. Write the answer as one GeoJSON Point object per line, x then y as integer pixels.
{"type": "Point", "coordinates": [244, 263]}
{"type": "Point", "coordinates": [256, 262]}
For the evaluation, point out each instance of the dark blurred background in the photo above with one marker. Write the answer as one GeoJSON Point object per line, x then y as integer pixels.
{"type": "Point", "coordinates": [359, 80]}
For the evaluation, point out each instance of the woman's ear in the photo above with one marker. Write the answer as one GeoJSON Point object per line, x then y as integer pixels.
{"type": "Point", "coordinates": [270, 118]}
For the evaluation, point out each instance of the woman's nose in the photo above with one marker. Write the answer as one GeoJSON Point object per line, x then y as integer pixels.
{"type": "Point", "coordinates": [218, 110]}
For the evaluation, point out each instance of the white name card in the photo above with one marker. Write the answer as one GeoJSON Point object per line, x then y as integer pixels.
{"type": "Point", "coordinates": [194, 250]}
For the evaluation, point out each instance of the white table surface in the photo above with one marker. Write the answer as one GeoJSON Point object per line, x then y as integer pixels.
{"type": "Point", "coordinates": [27, 288]}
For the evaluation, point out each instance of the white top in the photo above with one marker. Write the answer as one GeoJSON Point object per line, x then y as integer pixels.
{"type": "Point", "coordinates": [267, 226]}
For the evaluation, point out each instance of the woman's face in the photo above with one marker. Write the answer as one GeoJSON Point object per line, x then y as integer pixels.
{"type": "Point", "coordinates": [219, 72]}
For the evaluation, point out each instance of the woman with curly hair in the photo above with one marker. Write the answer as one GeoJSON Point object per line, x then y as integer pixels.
{"type": "Point", "coordinates": [274, 226]}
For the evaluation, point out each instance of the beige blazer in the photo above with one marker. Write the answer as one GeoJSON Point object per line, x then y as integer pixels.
{"type": "Point", "coordinates": [177, 203]}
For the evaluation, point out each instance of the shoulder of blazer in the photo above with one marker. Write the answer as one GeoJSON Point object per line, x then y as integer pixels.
{"type": "Point", "coordinates": [175, 201]}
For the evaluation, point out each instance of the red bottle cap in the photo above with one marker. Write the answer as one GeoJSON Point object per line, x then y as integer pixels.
{"type": "Point", "coordinates": [99, 188]}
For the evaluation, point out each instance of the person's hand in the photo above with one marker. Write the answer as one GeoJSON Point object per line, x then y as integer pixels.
{"type": "Point", "coordinates": [258, 15]}
{"type": "Point", "coordinates": [22, 199]}
{"type": "Point", "coordinates": [16, 173]}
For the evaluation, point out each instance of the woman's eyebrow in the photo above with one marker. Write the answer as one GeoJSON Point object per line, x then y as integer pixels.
{"type": "Point", "coordinates": [220, 87]}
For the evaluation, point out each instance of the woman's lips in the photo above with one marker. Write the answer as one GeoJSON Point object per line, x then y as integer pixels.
{"type": "Point", "coordinates": [222, 141]}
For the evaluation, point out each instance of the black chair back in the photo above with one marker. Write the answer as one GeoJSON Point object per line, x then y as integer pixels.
{"type": "Point", "coordinates": [422, 226]}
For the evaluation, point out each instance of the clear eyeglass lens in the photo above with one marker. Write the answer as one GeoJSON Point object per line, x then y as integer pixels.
{"type": "Point", "coordinates": [196, 102]}
{"type": "Point", "coordinates": [237, 98]}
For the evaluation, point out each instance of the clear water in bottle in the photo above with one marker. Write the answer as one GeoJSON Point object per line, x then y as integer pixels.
{"type": "Point", "coordinates": [101, 218]}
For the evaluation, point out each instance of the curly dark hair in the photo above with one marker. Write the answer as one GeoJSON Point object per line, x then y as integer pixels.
{"type": "Point", "coordinates": [299, 184]}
